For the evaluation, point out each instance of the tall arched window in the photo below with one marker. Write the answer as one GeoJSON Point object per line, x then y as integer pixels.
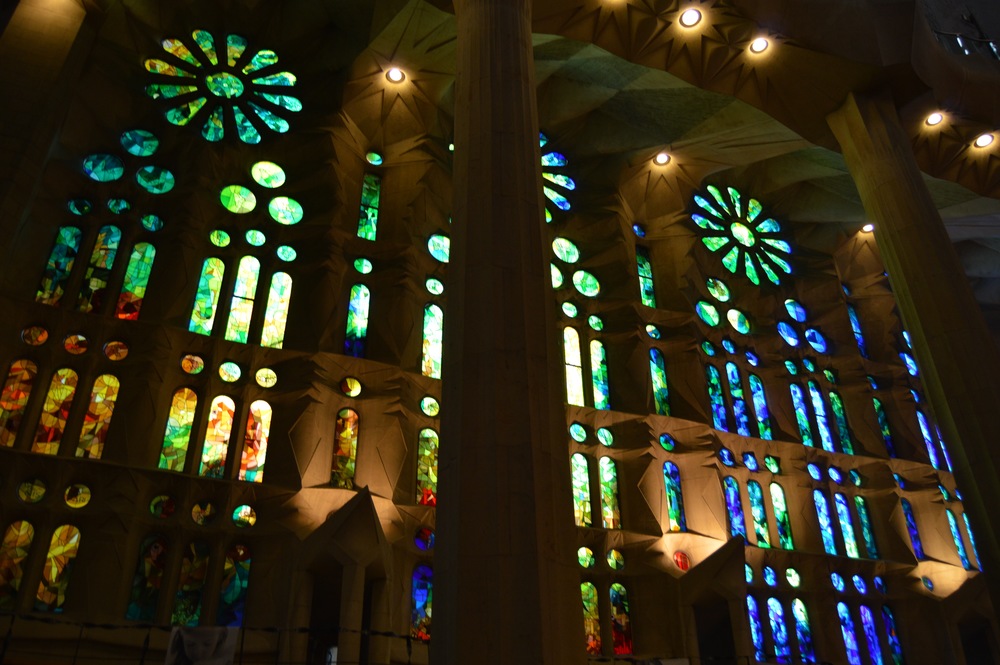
{"type": "Point", "coordinates": [675, 497]}
{"type": "Point", "coordinates": [925, 431]}
{"type": "Point", "coordinates": [846, 525]}
{"type": "Point", "coordinates": [95, 279]}
{"type": "Point", "coordinates": [840, 417]}
{"type": "Point", "coordinates": [779, 630]}
{"type": "Point", "coordinates": [591, 618]}
{"type": "Point", "coordinates": [825, 523]}
{"type": "Point", "coordinates": [739, 403]}
{"type": "Point", "coordinates": [822, 424]}
{"type": "Point", "coordinates": [59, 266]}
{"type": "Point", "coordinates": [848, 634]}
{"type": "Point", "coordinates": [427, 467]}
{"type": "Point", "coordinates": [895, 647]}
{"type": "Point", "coordinates": [140, 266]}
{"type": "Point", "coordinates": [956, 535]}
{"type": "Point", "coordinates": [220, 427]}
{"type": "Point", "coordinates": [371, 190]}
{"type": "Point", "coordinates": [276, 313]}
{"type": "Point", "coordinates": [756, 628]}
{"type": "Point", "coordinates": [235, 580]}
{"type": "Point", "coordinates": [716, 399]}
{"type": "Point", "coordinates": [645, 268]}
{"type": "Point", "coordinates": [13, 399]}
{"type": "Point", "coordinates": [867, 530]}
{"type": "Point", "coordinates": [760, 407]}
{"type": "Point", "coordinates": [801, 415]}
{"type": "Point", "coordinates": [244, 292]}
{"type": "Point", "coordinates": [734, 507]}
{"type": "Point", "coordinates": [972, 539]}
{"type": "Point", "coordinates": [599, 375]}
{"type": "Point", "coordinates": [574, 366]}
{"type": "Point", "coordinates": [911, 527]}
{"type": "Point", "coordinates": [178, 430]}
{"type": "Point", "coordinates": [621, 624]}
{"type": "Point", "coordinates": [859, 337]}
{"type": "Point", "coordinates": [52, 422]}
{"type": "Point", "coordinates": [187, 600]}
{"type": "Point", "coordinates": [148, 579]}
{"type": "Point", "coordinates": [781, 517]}
{"type": "Point", "coordinates": [59, 561]}
{"type": "Point", "coordinates": [13, 551]}
{"type": "Point", "coordinates": [98, 418]}
{"type": "Point", "coordinates": [357, 321]}
{"type": "Point", "coordinates": [206, 301]}
{"type": "Point", "coordinates": [580, 475]}
{"type": "Point", "coordinates": [803, 631]}
{"type": "Point", "coordinates": [883, 424]}
{"type": "Point", "coordinates": [871, 636]}
{"type": "Point", "coordinates": [433, 341]}
{"type": "Point", "coordinates": [421, 593]}
{"type": "Point", "coordinates": [610, 513]}
{"type": "Point", "coordinates": [658, 378]}
{"type": "Point", "coordinates": [255, 442]}
{"type": "Point", "coordinates": [759, 513]}
{"type": "Point", "coordinates": [345, 449]}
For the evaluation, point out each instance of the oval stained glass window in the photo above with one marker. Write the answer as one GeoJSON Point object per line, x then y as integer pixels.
{"type": "Point", "coordinates": [837, 581]}
{"type": "Point", "coordinates": [566, 250]}
{"type": "Point", "coordinates": [155, 179]}
{"type": "Point", "coordinates": [718, 289]}
{"type": "Point", "coordinates": [255, 238]}
{"type": "Point", "coordinates": [667, 442]}
{"type": "Point", "coordinates": [286, 253]}
{"type": "Point", "coordinates": [192, 364]}
{"type": "Point", "coordinates": [586, 283]}
{"type": "Point", "coordinates": [595, 322]}
{"type": "Point", "coordinates": [34, 335]}
{"type": "Point", "coordinates": [219, 238]}
{"type": "Point", "coordinates": [31, 491]}
{"type": "Point", "coordinates": [605, 436]}
{"type": "Point", "coordinates": [285, 211]}
{"type": "Point", "coordinates": [161, 506]}
{"type": "Point", "coordinates": [424, 539]}
{"type": "Point", "coordinates": [859, 584]}
{"type": "Point", "coordinates": [707, 347]}
{"type": "Point", "coordinates": [202, 513]}
{"type": "Point", "coordinates": [727, 457]}
{"type": "Point", "coordinates": [706, 312]}
{"type": "Point", "coordinates": [103, 168]}
{"type": "Point", "coordinates": [139, 142]}
{"type": "Point", "coordinates": [77, 496]}
{"type": "Point", "coordinates": [653, 331]}
{"type": "Point", "coordinates": [268, 174]}
{"type": "Point", "coordinates": [788, 333]}
{"type": "Point", "coordinates": [739, 322]}
{"type": "Point", "coordinates": [577, 431]}
{"type": "Point", "coordinates": [569, 309]}
{"type": "Point", "coordinates": [727, 344]}
{"type": "Point", "coordinates": [230, 372]}
{"type": "Point", "coordinates": [76, 344]}
{"type": "Point", "coordinates": [152, 223]}
{"type": "Point", "coordinates": [79, 206]}
{"type": "Point", "coordinates": [585, 557]}
{"type": "Point", "coordinates": [363, 265]}
{"type": "Point", "coordinates": [439, 246]}
{"type": "Point", "coordinates": [434, 286]}
{"type": "Point", "coordinates": [244, 516]}
{"type": "Point", "coordinates": [911, 364]}
{"type": "Point", "coordinates": [116, 350]}
{"type": "Point", "coordinates": [237, 199]}
{"type": "Point", "coordinates": [793, 577]}
{"type": "Point", "coordinates": [816, 340]}
{"type": "Point", "coordinates": [265, 377]}
{"type": "Point", "coordinates": [795, 310]}
{"type": "Point", "coordinates": [350, 386]}
{"type": "Point", "coordinates": [430, 406]}
{"type": "Point", "coordinates": [374, 158]}
{"type": "Point", "coordinates": [557, 276]}
{"type": "Point", "coordinates": [616, 560]}
{"type": "Point", "coordinates": [752, 358]}
{"type": "Point", "coordinates": [118, 206]}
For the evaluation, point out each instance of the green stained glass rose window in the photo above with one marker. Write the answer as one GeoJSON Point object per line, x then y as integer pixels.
{"type": "Point", "coordinates": [557, 276]}
{"type": "Point", "coordinates": [434, 286]}
{"type": "Point", "coordinates": [255, 237]}
{"type": "Point", "coordinates": [440, 247]}
{"type": "Point", "coordinates": [569, 309]}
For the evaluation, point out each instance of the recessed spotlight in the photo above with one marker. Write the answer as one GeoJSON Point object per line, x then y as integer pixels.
{"type": "Point", "coordinates": [759, 45]}
{"type": "Point", "coordinates": [690, 18]}
{"type": "Point", "coordinates": [984, 140]}
{"type": "Point", "coordinates": [934, 119]}
{"type": "Point", "coordinates": [661, 158]}
{"type": "Point", "coordinates": [395, 74]}
{"type": "Point", "coordinates": [868, 228]}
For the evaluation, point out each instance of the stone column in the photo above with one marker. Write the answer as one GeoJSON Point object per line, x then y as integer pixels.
{"type": "Point", "coordinates": [958, 358]}
{"type": "Point", "coordinates": [506, 586]}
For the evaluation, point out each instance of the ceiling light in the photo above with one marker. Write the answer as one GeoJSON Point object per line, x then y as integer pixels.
{"type": "Point", "coordinates": [984, 140]}
{"type": "Point", "coordinates": [868, 228]}
{"type": "Point", "coordinates": [934, 119]}
{"type": "Point", "coordinates": [690, 18]}
{"type": "Point", "coordinates": [661, 158]}
{"type": "Point", "coordinates": [758, 45]}
{"type": "Point", "coordinates": [395, 74]}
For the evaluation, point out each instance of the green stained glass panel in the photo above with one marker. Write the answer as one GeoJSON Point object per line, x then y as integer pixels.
{"type": "Point", "coordinates": [439, 247]}
{"type": "Point", "coordinates": [363, 265]}
{"type": "Point", "coordinates": [751, 269]}
{"type": "Point", "coordinates": [213, 130]}
{"type": "Point", "coordinates": [371, 191]}
{"type": "Point", "coordinates": [599, 375]}
{"type": "Point", "coordinates": [103, 168]}
{"type": "Point", "coordinates": [345, 449]}
{"type": "Point", "coordinates": [59, 265]}
{"type": "Point", "coordinates": [768, 226]}
{"type": "Point", "coordinates": [151, 223]}
{"type": "Point", "coordinates": [707, 224]}
{"type": "Point", "coordinates": [230, 372]}
{"type": "Point", "coordinates": [244, 128]}
{"type": "Point", "coordinates": [276, 314]}
{"type": "Point", "coordinates": [434, 286]}
{"type": "Point", "coordinates": [561, 201]}
{"type": "Point", "coordinates": [433, 341]}
{"type": "Point", "coordinates": [241, 310]}
{"type": "Point", "coordinates": [235, 45]}
{"type": "Point", "coordinates": [224, 85]}
{"type": "Point", "coordinates": [216, 445]}
{"type": "Point", "coordinates": [732, 259]}
{"type": "Point", "coordinates": [268, 174]}
{"type": "Point", "coordinates": [284, 101]}
{"type": "Point", "coordinates": [781, 517]}
{"type": "Point", "coordinates": [155, 66]}
{"type": "Point", "coordinates": [610, 513]}
{"type": "Point", "coordinates": [427, 467]}
{"type": "Point", "coordinates": [574, 366]}
{"type": "Point", "coordinates": [139, 142]}
{"type": "Point", "coordinates": [286, 253]}
{"type": "Point", "coordinates": [658, 379]}
{"type": "Point", "coordinates": [272, 120]}
{"type": "Point", "coordinates": [718, 289]}
{"type": "Point", "coordinates": [739, 321]}
{"type": "Point", "coordinates": [178, 430]}
{"type": "Point", "coordinates": [260, 60]}
{"type": "Point", "coordinates": [255, 237]}
{"type": "Point", "coordinates": [285, 210]}
{"type": "Point", "coordinates": [182, 114]}
{"type": "Point", "coordinates": [79, 206]}
{"type": "Point", "coordinates": [281, 78]}
{"type": "Point", "coordinates": [840, 417]}
{"type": "Point", "coordinates": [166, 91]}
{"type": "Point", "coordinates": [357, 321]}
{"type": "Point", "coordinates": [237, 199]}
{"type": "Point", "coordinates": [586, 283]}
{"type": "Point", "coordinates": [207, 45]}
{"type": "Point", "coordinates": [207, 297]}
{"type": "Point", "coordinates": [178, 49]}
{"type": "Point", "coordinates": [219, 238]}
{"type": "Point", "coordinates": [715, 244]}
{"type": "Point", "coordinates": [155, 179]}
{"type": "Point", "coordinates": [753, 209]}
{"type": "Point", "coordinates": [556, 275]}
{"type": "Point", "coordinates": [566, 250]}
{"type": "Point", "coordinates": [719, 199]}
{"type": "Point", "coordinates": [707, 312]}
{"type": "Point", "coordinates": [734, 195]}
{"type": "Point", "coordinates": [580, 474]}
{"type": "Point", "coordinates": [595, 322]}
{"type": "Point", "coordinates": [430, 406]}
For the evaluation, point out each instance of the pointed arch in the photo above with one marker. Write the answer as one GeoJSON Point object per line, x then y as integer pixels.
{"type": "Point", "coordinates": [52, 422]}
{"type": "Point", "coordinates": [244, 293]}
{"type": "Point", "coordinates": [574, 366]}
{"type": "Point", "coordinates": [133, 294]}
{"type": "Point", "coordinates": [357, 321]}
{"type": "Point", "coordinates": [59, 265]}
{"type": "Point", "coordinates": [98, 419]}
{"type": "Point", "coordinates": [427, 467]}
{"type": "Point", "coordinates": [255, 442]}
{"type": "Point", "coordinates": [676, 521]}
{"type": "Point", "coordinates": [433, 341]}
{"type": "Point", "coordinates": [221, 414]}
{"type": "Point", "coordinates": [610, 513]}
{"type": "Point", "coordinates": [206, 300]}
{"type": "Point", "coordinates": [279, 300]}
{"type": "Point", "coordinates": [177, 434]}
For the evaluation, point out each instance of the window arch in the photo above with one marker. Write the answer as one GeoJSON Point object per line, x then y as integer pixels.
{"type": "Point", "coordinates": [206, 301]}
{"type": "Point", "coordinates": [716, 399]}
{"type": "Point", "coordinates": [871, 635]}
{"type": "Point", "coordinates": [59, 265]}
{"type": "Point", "coordinates": [95, 279]}
{"type": "Point", "coordinates": [371, 189]}
{"type": "Point", "coordinates": [846, 525]}
{"type": "Point", "coordinates": [591, 618]}
{"type": "Point", "coordinates": [433, 340]}
{"type": "Point", "coordinates": [580, 474]}
{"type": "Point", "coordinates": [759, 513]}
{"type": "Point", "coordinates": [59, 561]}
{"type": "Point", "coordinates": [803, 631]}
{"type": "Point", "coordinates": [867, 530]}
{"type": "Point", "coordinates": [599, 375]}
{"type": "Point", "coordinates": [345, 449]}
{"type": "Point", "coordinates": [848, 634]}
{"type": "Point", "coordinates": [357, 321]}
{"type": "Point", "coordinates": [244, 293]}
{"type": "Point", "coordinates": [734, 507]}
{"type": "Point", "coordinates": [675, 497]}
{"type": "Point", "coordinates": [610, 513]}
{"type": "Point", "coordinates": [859, 337]}
{"type": "Point", "coordinates": [427, 467]}
{"type": "Point", "coordinates": [825, 523]}
{"type": "Point", "coordinates": [840, 417]}
{"type": "Point", "coordinates": [781, 517]}
{"type": "Point", "coordinates": [822, 423]}
{"type": "Point", "coordinates": [13, 399]}
{"type": "Point", "coordinates": [956, 535]}
{"type": "Point", "coordinates": [645, 269]}
{"type": "Point", "coordinates": [255, 442]}
{"type": "Point", "coordinates": [911, 527]}
{"type": "Point", "coordinates": [221, 415]}
{"type": "Point", "coordinates": [883, 424]}
{"type": "Point", "coordinates": [235, 581]}
{"type": "Point", "coordinates": [801, 415]}
{"type": "Point", "coordinates": [187, 600]}
{"type": "Point", "coordinates": [621, 624]}
{"type": "Point", "coordinates": [13, 551]}
{"type": "Point", "coordinates": [574, 366]}
{"type": "Point", "coordinates": [739, 403]}
{"type": "Point", "coordinates": [972, 539]}
{"type": "Point", "coordinates": [148, 579]}
{"type": "Point", "coordinates": [760, 407]}
{"type": "Point", "coordinates": [52, 422]}
{"type": "Point", "coordinates": [658, 378]}
{"type": "Point", "coordinates": [895, 647]}
{"type": "Point", "coordinates": [140, 266]}
{"type": "Point", "coordinates": [925, 432]}
{"type": "Point", "coordinates": [779, 630]}
{"type": "Point", "coordinates": [178, 430]}
{"type": "Point", "coordinates": [276, 313]}
{"type": "Point", "coordinates": [756, 628]}
{"type": "Point", "coordinates": [421, 593]}
{"type": "Point", "coordinates": [98, 418]}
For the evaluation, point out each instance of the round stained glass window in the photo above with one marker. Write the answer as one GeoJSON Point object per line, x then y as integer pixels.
{"type": "Point", "coordinates": [726, 456]}
{"type": "Point", "coordinates": [363, 265]}
{"type": "Point", "coordinates": [706, 312]}
{"type": "Point", "coordinates": [718, 289]}
{"type": "Point", "coordinates": [795, 310]}
{"type": "Point", "coordinates": [605, 436]}
{"type": "Point", "coordinates": [770, 577]}
{"type": "Point", "coordinates": [237, 199]}
{"type": "Point", "coordinates": [161, 506]}
{"type": "Point", "coordinates": [77, 496]}
{"type": "Point", "coordinates": [788, 333]}
{"type": "Point", "coordinates": [424, 539]}
{"type": "Point", "coordinates": [750, 461]}
{"type": "Point", "coordinates": [430, 406]}
{"type": "Point", "coordinates": [859, 584]}
{"type": "Point", "coordinates": [350, 386]}
{"type": "Point", "coordinates": [255, 238]}
{"type": "Point", "coordinates": [268, 174]}
{"type": "Point", "coordinates": [230, 372]}
{"type": "Point", "coordinates": [667, 442]}
{"type": "Point", "coordinates": [752, 358]}
{"type": "Point", "coordinates": [557, 276]}
{"type": "Point", "coordinates": [816, 340]}
{"type": "Point", "coordinates": [577, 431]}
{"type": "Point", "coordinates": [739, 321]}
{"type": "Point", "coordinates": [837, 581]}
{"type": "Point", "coordinates": [286, 253]}
{"type": "Point", "coordinates": [585, 557]}
{"type": "Point", "coordinates": [31, 491]}
{"type": "Point", "coordinates": [639, 230]}
{"type": "Point", "coordinates": [202, 513]}
{"type": "Point", "coordinates": [116, 350]}
{"type": "Point", "coordinates": [790, 366]}
{"type": "Point", "coordinates": [434, 286]}
{"type": "Point", "coordinates": [835, 475]}
{"type": "Point", "coordinates": [285, 211]}
{"type": "Point", "coordinates": [793, 577]}
{"type": "Point", "coordinates": [224, 85]}
{"type": "Point", "coordinates": [566, 250]}
{"type": "Point", "coordinates": [265, 377]}
{"type": "Point", "coordinates": [595, 322]}
{"type": "Point", "coordinates": [103, 168]}
{"type": "Point", "coordinates": [682, 561]}
{"type": "Point", "coordinates": [34, 335]}
{"type": "Point", "coordinates": [616, 560]}
{"type": "Point", "coordinates": [809, 364]}
{"type": "Point", "coordinates": [772, 463]}
{"type": "Point", "coordinates": [569, 309]}
{"type": "Point", "coordinates": [707, 347]}
{"type": "Point", "coordinates": [244, 516]}
{"type": "Point", "coordinates": [76, 344]}
{"type": "Point", "coordinates": [139, 142]}
{"type": "Point", "coordinates": [440, 247]}
{"type": "Point", "coordinates": [855, 477]}
{"type": "Point", "coordinates": [374, 158]}
{"type": "Point", "coordinates": [152, 223]}
{"type": "Point", "coordinates": [653, 331]}
{"type": "Point", "coordinates": [219, 238]}
{"type": "Point", "coordinates": [118, 206]}
{"type": "Point", "coordinates": [728, 345]}
{"type": "Point", "coordinates": [192, 364]}
{"type": "Point", "coordinates": [586, 283]}
{"type": "Point", "coordinates": [830, 376]}
{"type": "Point", "coordinates": [155, 179]}
{"type": "Point", "coordinates": [80, 206]}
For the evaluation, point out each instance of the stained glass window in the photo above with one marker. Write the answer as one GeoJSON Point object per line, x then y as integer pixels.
{"type": "Point", "coordinates": [779, 630]}
{"type": "Point", "coordinates": [148, 579]}
{"type": "Point", "coordinates": [98, 418]}
{"type": "Point", "coordinates": [345, 449]}
{"type": "Point", "coordinates": [59, 561]}
{"type": "Point", "coordinates": [972, 539]}
{"type": "Point", "coordinates": [276, 313]}
{"type": "Point", "coordinates": [599, 375]}
{"type": "Point", "coordinates": [759, 513]}
{"type": "Point", "coordinates": [621, 624]}
{"type": "Point", "coordinates": [574, 366]}
{"type": "Point", "coordinates": [16, 390]}
{"type": "Point", "coordinates": [255, 442]}
{"type": "Point", "coordinates": [756, 628]}
{"type": "Point", "coordinates": [427, 467]}
{"type": "Point", "coordinates": [871, 636]}
{"type": "Point", "coordinates": [591, 618]}
{"type": "Point", "coordinates": [220, 427]}
{"type": "Point", "coordinates": [781, 517]}
{"type": "Point", "coordinates": [802, 415]}
{"type": "Point", "coordinates": [433, 340]}
{"type": "Point", "coordinates": [52, 422]}
{"type": "Point", "coordinates": [859, 337]}
{"type": "Point", "coordinates": [760, 407]}
{"type": "Point", "coordinates": [207, 299]}
{"type": "Point", "coordinates": [59, 265]}
{"type": "Point", "coordinates": [925, 431]}
{"type": "Point", "coordinates": [235, 580]}
{"type": "Point", "coordinates": [739, 403]}
{"type": "Point", "coordinates": [734, 507]}
{"type": "Point", "coordinates": [580, 474]}
{"type": "Point", "coordinates": [13, 551]}
{"type": "Point", "coordinates": [716, 398]}
{"type": "Point", "coordinates": [911, 527]}
{"type": "Point", "coordinates": [883, 424]}
{"type": "Point", "coordinates": [803, 631]}
{"type": "Point", "coordinates": [846, 525]}
{"type": "Point", "coordinates": [867, 530]}
{"type": "Point", "coordinates": [187, 600]}
{"type": "Point", "coordinates": [421, 592]}
{"type": "Point", "coordinates": [610, 514]}
{"type": "Point", "coordinates": [895, 647]}
{"type": "Point", "coordinates": [822, 424]}
{"type": "Point", "coordinates": [956, 535]}
{"type": "Point", "coordinates": [675, 497]}
{"type": "Point", "coordinates": [371, 189]}
{"type": "Point", "coordinates": [847, 632]}
{"type": "Point", "coordinates": [95, 279]}
{"type": "Point", "coordinates": [645, 276]}
{"type": "Point", "coordinates": [658, 378]}
{"type": "Point", "coordinates": [178, 431]}
{"type": "Point", "coordinates": [840, 417]}
{"type": "Point", "coordinates": [357, 321]}
{"type": "Point", "coordinates": [140, 266]}
{"type": "Point", "coordinates": [241, 311]}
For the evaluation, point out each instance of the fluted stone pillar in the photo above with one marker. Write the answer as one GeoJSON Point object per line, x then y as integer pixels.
{"type": "Point", "coordinates": [958, 358]}
{"type": "Point", "coordinates": [505, 584]}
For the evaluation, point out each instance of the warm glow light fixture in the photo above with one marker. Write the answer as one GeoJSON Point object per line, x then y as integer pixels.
{"type": "Point", "coordinates": [868, 228]}
{"type": "Point", "coordinates": [690, 18]}
{"type": "Point", "coordinates": [934, 119]}
{"type": "Point", "coordinates": [661, 158]}
{"type": "Point", "coordinates": [395, 74]}
{"type": "Point", "coordinates": [984, 140]}
{"type": "Point", "coordinates": [759, 45]}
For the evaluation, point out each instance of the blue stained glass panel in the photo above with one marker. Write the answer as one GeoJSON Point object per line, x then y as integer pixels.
{"type": "Point", "coordinates": [925, 431]}
{"type": "Point", "coordinates": [716, 399]}
{"type": "Point", "coordinates": [759, 513]}
{"type": "Point", "coordinates": [803, 631]}
{"type": "Point", "coordinates": [871, 636]}
{"type": "Point", "coordinates": [739, 403]}
{"type": "Point", "coordinates": [779, 631]}
{"type": "Point", "coordinates": [911, 527]}
{"type": "Point", "coordinates": [847, 632]}
{"type": "Point", "coordinates": [825, 523]}
{"type": "Point", "coordinates": [956, 535]}
{"type": "Point", "coordinates": [822, 424]}
{"type": "Point", "coordinates": [760, 407]}
{"type": "Point", "coordinates": [756, 628]}
{"type": "Point", "coordinates": [801, 415]}
{"type": "Point", "coordinates": [734, 507]}
{"type": "Point", "coordinates": [895, 648]}
{"type": "Point", "coordinates": [846, 525]}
